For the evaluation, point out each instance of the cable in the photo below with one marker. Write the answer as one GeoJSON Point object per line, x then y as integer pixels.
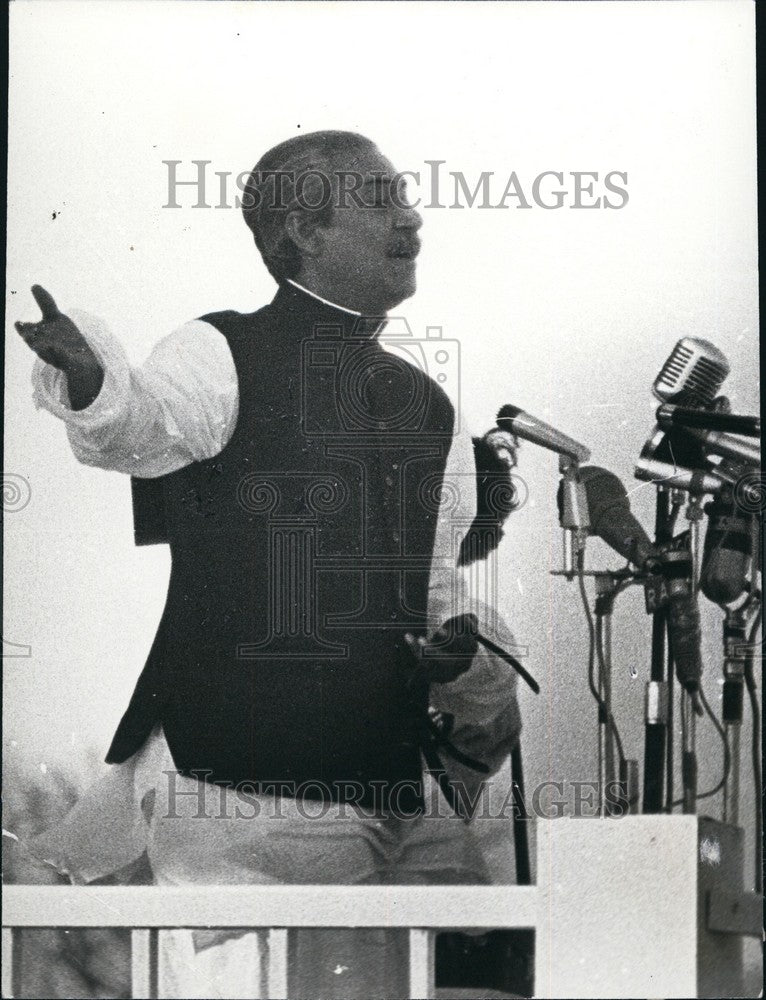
{"type": "Point", "coordinates": [726, 751]}
{"type": "Point", "coordinates": [605, 713]}
{"type": "Point", "coordinates": [669, 732]}
{"type": "Point", "coordinates": [726, 754]}
{"type": "Point", "coordinates": [756, 748]}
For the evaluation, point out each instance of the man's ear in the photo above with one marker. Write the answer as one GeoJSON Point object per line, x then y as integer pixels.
{"type": "Point", "coordinates": [305, 232]}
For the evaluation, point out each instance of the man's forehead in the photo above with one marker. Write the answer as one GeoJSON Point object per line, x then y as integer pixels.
{"type": "Point", "coordinates": [370, 163]}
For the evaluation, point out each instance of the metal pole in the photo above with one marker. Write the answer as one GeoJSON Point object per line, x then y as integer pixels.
{"type": "Point", "coordinates": [656, 689]}
{"type": "Point", "coordinates": [689, 756]}
{"type": "Point", "coordinates": [734, 638]}
{"type": "Point", "coordinates": [520, 819]}
{"type": "Point", "coordinates": [605, 589]}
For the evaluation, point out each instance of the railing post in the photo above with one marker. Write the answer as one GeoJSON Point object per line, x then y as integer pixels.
{"type": "Point", "coordinates": [277, 964]}
{"type": "Point", "coordinates": [422, 979]}
{"type": "Point", "coordinates": [11, 981]}
{"type": "Point", "coordinates": [144, 964]}
{"type": "Point", "coordinates": [284, 908]}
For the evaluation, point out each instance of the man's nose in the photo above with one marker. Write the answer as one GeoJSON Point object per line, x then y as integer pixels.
{"type": "Point", "coordinates": [408, 217]}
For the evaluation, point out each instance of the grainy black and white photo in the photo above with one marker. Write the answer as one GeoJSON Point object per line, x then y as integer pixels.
{"type": "Point", "coordinates": [382, 498]}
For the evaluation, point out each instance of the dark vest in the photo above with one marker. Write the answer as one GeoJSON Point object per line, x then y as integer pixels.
{"type": "Point", "coordinates": [300, 556]}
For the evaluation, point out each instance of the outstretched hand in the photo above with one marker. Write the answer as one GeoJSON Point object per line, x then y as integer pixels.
{"type": "Point", "coordinates": [57, 341]}
{"type": "Point", "coordinates": [448, 653]}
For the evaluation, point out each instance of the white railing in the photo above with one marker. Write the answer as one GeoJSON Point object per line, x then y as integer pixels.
{"type": "Point", "coordinates": [147, 909]}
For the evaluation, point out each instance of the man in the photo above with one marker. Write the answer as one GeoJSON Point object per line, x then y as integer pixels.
{"type": "Point", "coordinates": [316, 605]}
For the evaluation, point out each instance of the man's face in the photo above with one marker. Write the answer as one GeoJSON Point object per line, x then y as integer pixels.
{"type": "Point", "coordinates": [368, 250]}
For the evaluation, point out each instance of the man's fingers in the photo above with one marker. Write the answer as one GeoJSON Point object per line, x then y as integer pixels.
{"type": "Point", "coordinates": [415, 644]}
{"type": "Point", "coordinates": [27, 330]}
{"type": "Point", "coordinates": [45, 301]}
{"type": "Point", "coordinates": [463, 624]}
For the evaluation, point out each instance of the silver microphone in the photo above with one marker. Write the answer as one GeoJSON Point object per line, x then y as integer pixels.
{"type": "Point", "coordinates": [529, 428]}
{"type": "Point", "coordinates": [670, 416]}
{"type": "Point", "coordinates": [728, 446]}
{"type": "Point", "coordinates": [653, 467]}
{"type": "Point", "coordinates": [695, 481]}
{"type": "Point", "coordinates": [694, 373]}
{"type": "Point", "coordinates": [611, 517]}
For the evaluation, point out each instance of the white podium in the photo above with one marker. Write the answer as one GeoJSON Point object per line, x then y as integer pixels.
{"type": "Point", "coordinates": [641, 906]}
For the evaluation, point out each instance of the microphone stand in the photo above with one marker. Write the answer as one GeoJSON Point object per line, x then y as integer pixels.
{"type": "Point", "coordinates": [734, 638]}
{"type": "Point", "coordinates": [575, 524]}
{"type": "Point", "coordinates": [742, 611]}
{"type": "Point", "coordinates": [624, 798]}
{"type": "Point", "coordinates": [574, 513]}
{"type": "Point", "coordinates": [688, 704]}
{"type": "Point", "coordinates": [604, 607]}
{"type": "Point", "coordinates": [656, 742]}
{"type": "Point", "coordinates": [688, 755]}
{"type": "Point", "coordinates": [608, 586]}
{"type": "Point", "coordinates": [520, 819]}
{"type": "Point", "coordinates": [736, 626]}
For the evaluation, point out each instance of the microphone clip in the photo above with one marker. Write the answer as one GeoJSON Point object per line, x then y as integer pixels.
{"type": "Point", "coordinates": [673, 562]}
{"type": "Point", "coordinates": [573, 513]}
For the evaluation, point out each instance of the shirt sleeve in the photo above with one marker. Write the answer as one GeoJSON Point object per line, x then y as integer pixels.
{"type": "Point", "coordinates": [179, 407]}
{"type": "Point", "coordinates": [448, 587]}
{"type": "Point", "coordinates": [482, 700]}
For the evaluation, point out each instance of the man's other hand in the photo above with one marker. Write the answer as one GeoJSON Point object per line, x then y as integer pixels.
{"type": "Point", "coordinates": [448, 653]}
{"type": "Point", "coordinates": [56, 340]}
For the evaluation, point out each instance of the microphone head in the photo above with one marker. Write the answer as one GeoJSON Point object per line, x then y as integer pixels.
{"type": "Point", "coordinates": [677, 446]}
{"type": "Point", "coordinates": [693, 373]}
{"type": "Point", "coordinates": [728, 550]}
{"type": "Point", "coordinates": [529, 428]}
{"type": "Point", "coordinates": [508, 411]}
{"type": "Point", "coordinates": [606, 494]}
{"type": "Point", "coordinates": [611, 518]}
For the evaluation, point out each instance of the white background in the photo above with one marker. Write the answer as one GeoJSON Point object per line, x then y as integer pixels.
{"type": "Point", "coordinates": [567, 313]}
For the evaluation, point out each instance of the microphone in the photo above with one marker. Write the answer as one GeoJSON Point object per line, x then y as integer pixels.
{"type": "Point", "coordinates": [611, 518]}
{"type": "Point", "coordinates": [683, 618]}
{"type": "Point", "coordinates": [692, 374]}
{"type": "Point", "coordinates": [529, 428]}
{"type": "Point", "coordinates": [574, 518]}
{"type": "Point", "coordinates": [697, 481]}
{"type": "Point", "coordinates": [727, 552]}
{"type": "Point", "coordinates": [670, 416]}
{"type": "Point", "coordinates": [729, 446]}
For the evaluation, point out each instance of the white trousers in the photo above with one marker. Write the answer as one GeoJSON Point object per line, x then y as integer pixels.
{"type": "Point", "coordinates": [342, 846]}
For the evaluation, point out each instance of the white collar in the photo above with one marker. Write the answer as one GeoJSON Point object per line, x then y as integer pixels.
{"type": "Point", "coordinates": [327, 302]}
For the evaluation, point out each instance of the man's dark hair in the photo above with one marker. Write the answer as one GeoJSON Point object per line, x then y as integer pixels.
{"type": "Point", "coordinates": [270, 192]}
